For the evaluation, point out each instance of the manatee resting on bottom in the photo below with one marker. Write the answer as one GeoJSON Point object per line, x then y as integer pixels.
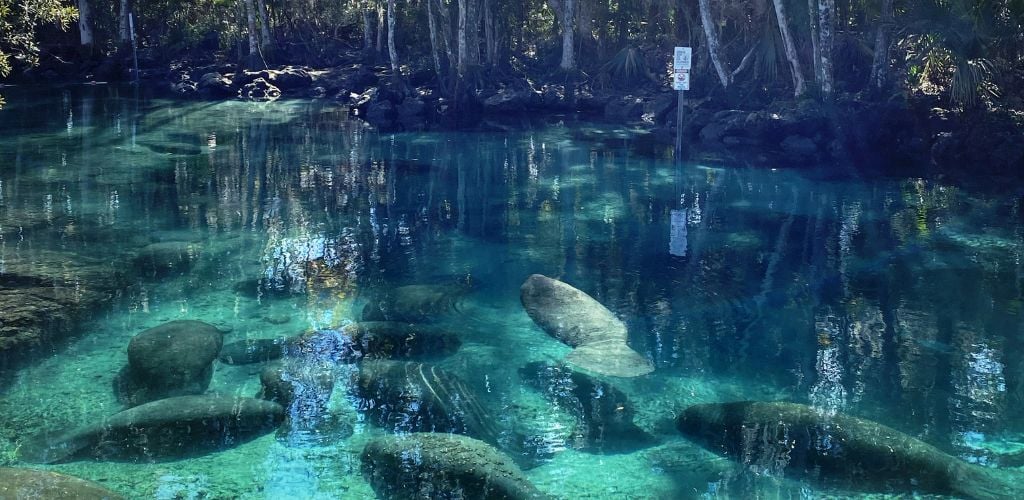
{"type": "Point", "coordinates": [836, 450]}
{"type": "Point", "coordinates": [172, 359]}
{"type": "Point", "coordinates": [576, 319]}
{"type": "Point", "coordinates": [433, 465]}
{"type": "Point", "coordinates": [414, 303]}
{"type": "Point", "coordinates": [179, 427]}
{"type": "Point", "coordinates": [28, 483]}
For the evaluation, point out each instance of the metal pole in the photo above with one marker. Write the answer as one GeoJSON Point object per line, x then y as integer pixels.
{"type": "Point", "coordinates": [135, 50]}
{"type": "Point", "coordinates": [679, 127]}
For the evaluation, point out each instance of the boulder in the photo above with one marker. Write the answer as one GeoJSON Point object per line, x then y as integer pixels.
{"type": "Point", "coordinates": [259, 90]}
{"type": "Point", "coordinates": [628, 108]}
{"type": "Point", "coordinates": [799, 146]}
{"type": "Point", "coordinates": [213, 85]}
{"type": "Point", "coordinates": [724, 123]}
{"type": "Point", "coordinates": [172, 359]}
{"type": "Point", "coordinates": [42, 484]}
{"type": "Point", "coordinates": [288, 79]}
{"type": "Point", "coordinates": [510, 101]}
{"type": "Point", "coordinates": [431, 465]}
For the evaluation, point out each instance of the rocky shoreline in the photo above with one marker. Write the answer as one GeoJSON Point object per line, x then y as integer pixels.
{"type": "Point", "coordinates": [916, 135]}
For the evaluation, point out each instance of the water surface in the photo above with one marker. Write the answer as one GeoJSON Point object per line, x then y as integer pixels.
{"type": "Point", "coordinates": [895, 300]}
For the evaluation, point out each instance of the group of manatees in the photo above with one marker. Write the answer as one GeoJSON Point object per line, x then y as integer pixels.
{"type": "Point", "coordinates": [444, 440]}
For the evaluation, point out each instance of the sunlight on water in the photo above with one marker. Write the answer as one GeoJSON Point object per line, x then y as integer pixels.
{"type": "Point", "coordinates": [356, 285]}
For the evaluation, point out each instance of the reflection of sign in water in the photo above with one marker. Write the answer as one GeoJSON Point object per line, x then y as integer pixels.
{"type": "Point", "coordinates": [677, 234]}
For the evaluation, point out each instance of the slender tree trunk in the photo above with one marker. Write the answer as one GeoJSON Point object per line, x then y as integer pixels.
{"type": "Point", "coordinates": [367, 28]}
{"type": "Point", "coordinates": [491, 51]}
{"type": "Point", "coordinates": [254, 44]}
{"type": "Point", "coordinates": [446, 33]}
{"type": "Point", "coordinates": [568, 31]}
{"type": "Point", "coordinates": [122, 23]}
{"type": "Point", "coordinates": [474, 16]}
{"type": "Point", "coordinates": [84, 23]}
{"type": "Point", "coordinates": [787, 40]}
{"type": "Point", "coordinates": [880, 65]}
{"type": "Point", "coordinates": [812, 8]}
{"type": "Point", "coordinates": [826, 23]}
{"type": "Point", "coordinates": [463, 56]}
{"type": "Point", "coordinates": [434, 49]}
{"type": "Point", "coordinates": [392, 53]}
{"type": "Point", "coordinates": [264, 23]}
{"type": "Point", "coordinates": [380, 30]}
{"type": "Point", "coordinates": [714, 50]}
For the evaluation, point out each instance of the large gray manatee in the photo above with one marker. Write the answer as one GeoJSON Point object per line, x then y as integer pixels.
{"type": "Point", "coordinates": [576, 319]}
{"type": "Point", "coordinates": [836, 450]}
{"type": "Point", "coordinates": [179, 427]}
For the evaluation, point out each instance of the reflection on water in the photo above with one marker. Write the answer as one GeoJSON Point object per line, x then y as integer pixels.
{"type": "Point", "coordinates": [896, 301]}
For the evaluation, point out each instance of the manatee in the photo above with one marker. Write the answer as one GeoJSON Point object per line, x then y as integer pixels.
{"type": "Point", "coordinates": [414, 303]}
{"type": "Point", "coordinates": [414, 397]}
{"type": "Point", "coordinates": [576, 319]}
{"type": "Point", "coordinates": [42, 484]}
{"type": "Point", "coordinates": [433, 465]}
{"type": "Point", "coordinates": [836, 450]}
{"type": "Point", "coordinates": [173, 359]}
{"type": "Point", "coordinates": [166, 258]}
{"type": "Point", "coordinates": [178, 427]}
{"type": "Point", "coordinates": [248, 351]}
{"type": "Point", "coordinates": [377, 339]}
{"type": "Point", "coordinates": [604, 414]}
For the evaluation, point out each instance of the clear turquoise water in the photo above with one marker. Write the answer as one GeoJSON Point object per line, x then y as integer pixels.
{"type": "Point", "coordinates": [895, 300]}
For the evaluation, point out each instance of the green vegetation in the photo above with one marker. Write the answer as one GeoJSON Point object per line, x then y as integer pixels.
{"type": "Point", "coordinates": [968, 51]}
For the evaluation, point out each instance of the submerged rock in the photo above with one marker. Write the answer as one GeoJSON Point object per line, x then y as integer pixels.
{"type": "Point", "coordinates": [576, 319]}
{"type": "Point", "coordinates": [41, 484]}
{"type": "Point", "coordinates": [179, 427]}
{"type": "Point", "coordinates": [414, 303]}
{"type": "Point", "coordinates": [431, 465]}
{"type": "Point", "coordinates": [604, 414]}
{"type": "Point", "coordinates": [173, 359]}
{"type": "Point", "coordinates": [836, 450]}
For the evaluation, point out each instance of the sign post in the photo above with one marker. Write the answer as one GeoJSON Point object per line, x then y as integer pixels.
{"type": "Point", "coordinates": [681, 63]}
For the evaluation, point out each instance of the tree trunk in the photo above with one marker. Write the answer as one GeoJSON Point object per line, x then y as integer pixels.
{"type": "Point", "coordinates": [446, 33]}
{"type": "Point", "coordinates": [812, 8]}
{"type": "Point", "coordinates": [380, 30]}
{"type": "Point", "coordinates": [250, 17]}
{"type": "Point", "coordinates": [434, 49]}
{"type": "Point", "coordinates": [84, 23]}
{"type": "Point", "coordinates": [122, 23]}
{"type": "Point", "coordinates": [714, 50]}
{"type": "Point", "coordinates": [367, 28]}
{"type": "Point", "coordinates": [826, 23]}
{"type": "Point", "coordinates": [787, 40]}
{"type": "Point", "coordinates": [491, 51]}
{"type": "Point", "coordinates": [392, 53]}
{"type": "Point", "coordinates": [473, 18]}
{"type": "Point", "coordinates": [880, 64]}
{"type": "Point", "coordinates": [568, 31]}
{"type": "Point", "coordinates": [463, 14]}
{"type": "Point", "coordinates": [264, 23]}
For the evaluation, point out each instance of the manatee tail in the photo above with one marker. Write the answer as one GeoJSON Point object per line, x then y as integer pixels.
{"type": "Point", "coordinates": [50, 448]}
{"type": "Point", "coordinates": [610, 358]}
{"type": "Point", "coordinates": [982, 483]}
